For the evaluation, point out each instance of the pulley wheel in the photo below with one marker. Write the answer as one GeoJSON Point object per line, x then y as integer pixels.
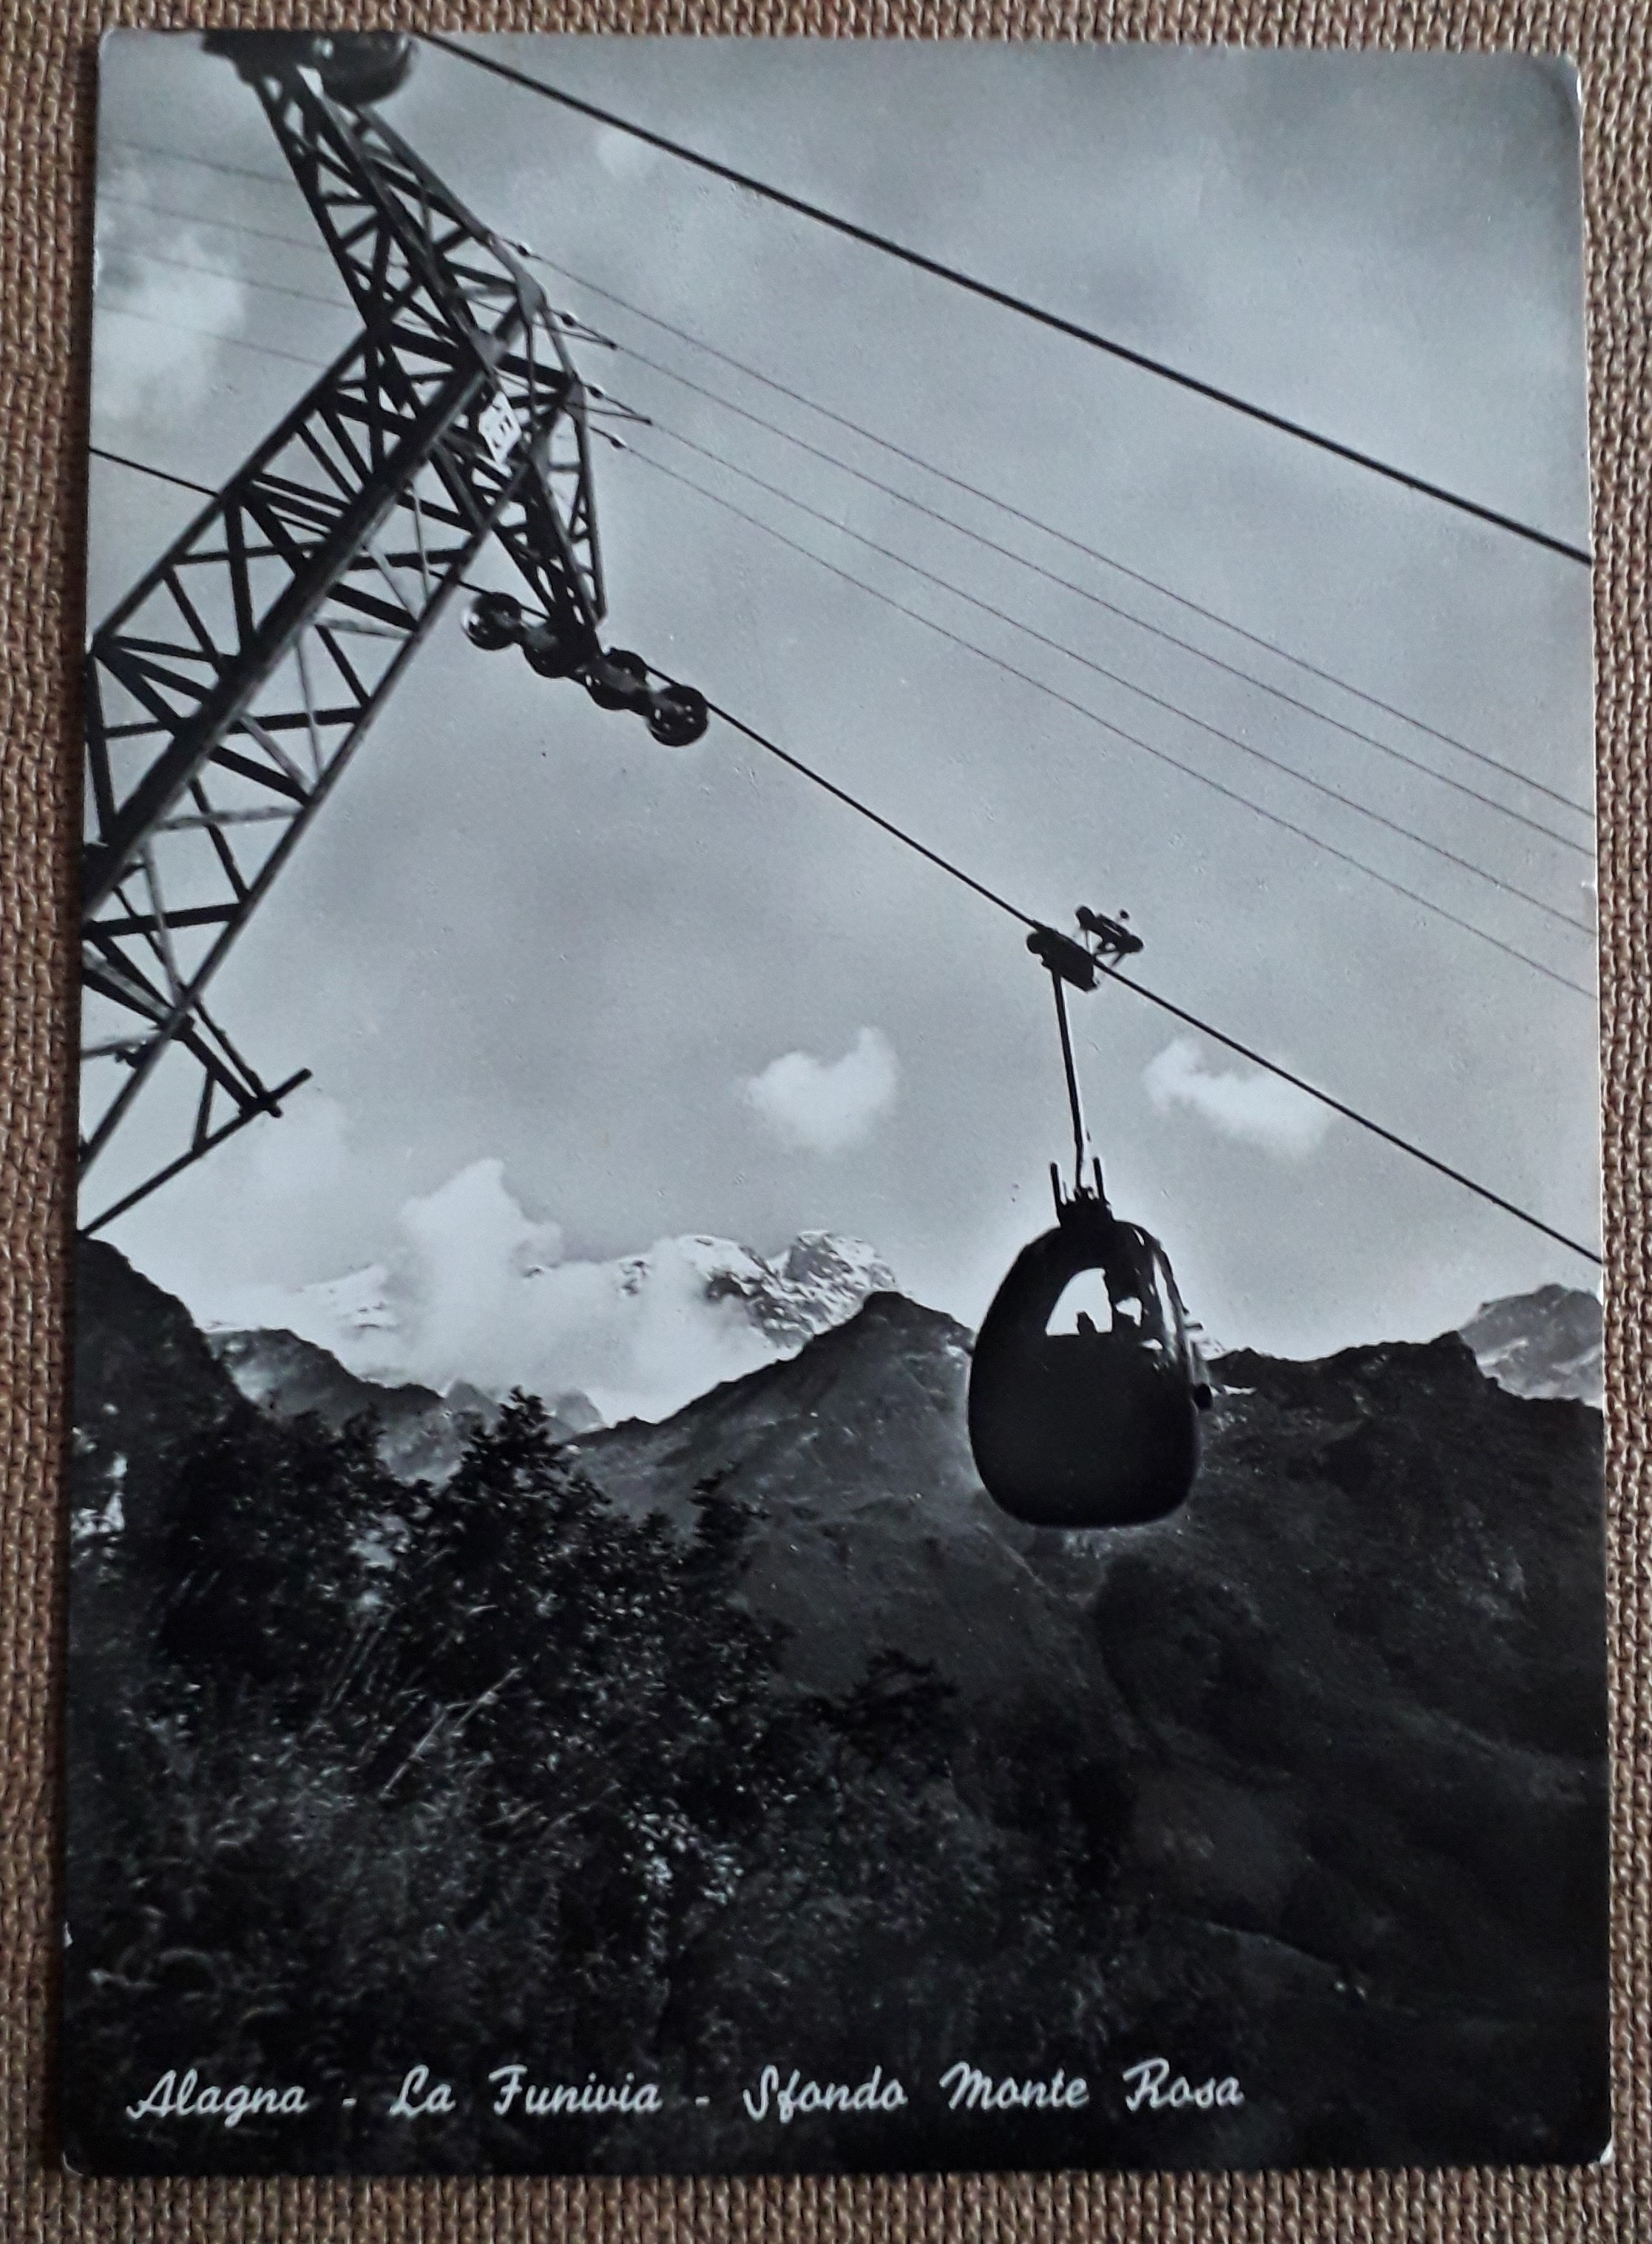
{"type": "Point", "coordinates": [360, 67]}
{"type": "Point", "coordinates": [494, 621]}
{"type": "Point", "coordinates": [678, 717]}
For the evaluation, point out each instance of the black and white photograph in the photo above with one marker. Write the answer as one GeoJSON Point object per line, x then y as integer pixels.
{"type": "Point", "coordinates": [836, 1326]}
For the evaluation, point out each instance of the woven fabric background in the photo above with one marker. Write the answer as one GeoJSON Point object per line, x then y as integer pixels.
{"type": "Point", "coordinates": [47, 74]}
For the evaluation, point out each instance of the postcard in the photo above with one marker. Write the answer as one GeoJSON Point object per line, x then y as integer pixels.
{"type": "Point", "coordinates": [837, 1355]}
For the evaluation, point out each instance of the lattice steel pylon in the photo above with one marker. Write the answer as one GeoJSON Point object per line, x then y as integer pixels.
{"type": "Point", "coordinates": [228, 692]}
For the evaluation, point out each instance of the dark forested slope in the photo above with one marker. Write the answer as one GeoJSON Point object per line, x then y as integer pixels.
{"type": "Point", "coordinates": [758, 1733]}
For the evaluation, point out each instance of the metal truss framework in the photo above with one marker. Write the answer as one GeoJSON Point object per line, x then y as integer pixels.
{"type": "Point", "coordinates": [226, 694]}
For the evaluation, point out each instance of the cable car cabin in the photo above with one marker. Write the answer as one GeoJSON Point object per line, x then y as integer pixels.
{"type": "Point", "coordinates": [1086, 1386]}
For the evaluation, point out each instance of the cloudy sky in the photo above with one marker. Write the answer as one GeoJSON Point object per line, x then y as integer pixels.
{"type": "Point", "coordinates": [654, 992]}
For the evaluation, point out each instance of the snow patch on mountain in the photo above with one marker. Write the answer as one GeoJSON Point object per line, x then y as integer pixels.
{"type": "Point", "coordinates": [1547, 1345]}
{"type": "Point", "coordinates": [477, 1291]}
{"type": "Point", "coordinates": [819, 1281]}
{"type": "Point", "coordinates": [358, 1303]}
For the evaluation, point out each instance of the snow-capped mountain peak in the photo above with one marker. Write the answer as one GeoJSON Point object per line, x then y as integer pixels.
{"type": "Point", "coordinates": [639, 1335]}
{"type": "Point", "coordinates": [819, 1281]}
{"type": "Point", "coordinates": [1546, 1344]}
{"type": "Point", "coordinates": [360, 1302]}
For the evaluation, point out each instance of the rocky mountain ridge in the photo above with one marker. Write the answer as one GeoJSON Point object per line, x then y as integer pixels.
{"type": "Point", "coordinates": [1547, 1345]}
{"type": "Point", "coordinates": [423, 1433]}
{"type": "Point", "coordinates": [819, 1280]}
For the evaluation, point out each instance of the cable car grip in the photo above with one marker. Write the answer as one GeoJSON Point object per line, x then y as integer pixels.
{"type": "Point", "coordinates": [567, 646]}
{"type": "Point", "coordinates": [1073, 963]}
{"type": "Point", "coordinates": [1064, 957]}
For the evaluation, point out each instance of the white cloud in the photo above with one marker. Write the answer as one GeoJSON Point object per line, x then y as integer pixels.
{"type": "Point", "coordinates": [157, 356]}
{"type": "Point", "coordinates": [621, 155]}
{"type": "Point", "coordinates": [476, 1289]}
{"type": "Point", "coordinates": [1256, 1109]}
{"type": "Point", "coordinates": [229, 1235]}
{"type": "Point", "coordinates": [469, 1248]}
{"type": "Point", "coordinates": [826, 1107]}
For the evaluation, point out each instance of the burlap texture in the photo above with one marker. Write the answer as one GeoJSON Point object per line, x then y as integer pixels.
{"type": "Point", "coordinates": [47, 60]}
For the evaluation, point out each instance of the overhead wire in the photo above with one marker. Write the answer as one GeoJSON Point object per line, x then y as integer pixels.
{"type": "Point", "coordinates": [1113, 608]}
{"type": "Point", "coordinates": [1041, 685]}
{"type": "Point", "coordinates": [1301, 1084]}
{"type": "Point", "coordinates": [1029, 921]}
{"type": "Point", "coordinates": [1129, 684]}
{"type": "Point", "coordinates": [213, 163]}
{"type": "Point", "coordinates": [1116, 678]}
{"type": "Point", "coordinates": [215, 335]}
{"type": "Point", "coordinates": [246, 279]}
{"type": "Point", "coordinates": [220, 224]}
{"type": "Point", "coordinates": [1075, 330]}
{"type": "Point", "coordinates": [1092, 715]}
{"type": "Point", "coordinates": [142, 467]}
{"type": "Point", "coordinates": [1487, 802]}
{"type": "Point", "coordinates": [1048, 530]}
{"type": "Point", "coordinates": [958, 482]}
{"type": "Point", "coordinates": [1189, 1019]}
